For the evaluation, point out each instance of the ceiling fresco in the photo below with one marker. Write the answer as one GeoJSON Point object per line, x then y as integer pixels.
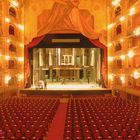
{"type": "Point", "coordinates": [88, 17]}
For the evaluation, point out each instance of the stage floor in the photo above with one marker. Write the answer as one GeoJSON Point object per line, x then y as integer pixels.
{"type": "Point", "coordinates": [70, 86]}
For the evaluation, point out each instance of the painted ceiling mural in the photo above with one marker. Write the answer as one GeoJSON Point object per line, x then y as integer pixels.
{"type": "Point", "coordinates": [88, 17]}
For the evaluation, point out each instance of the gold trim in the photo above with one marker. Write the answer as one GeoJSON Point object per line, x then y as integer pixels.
{"type": "Point", "coordinates": [65, 40]}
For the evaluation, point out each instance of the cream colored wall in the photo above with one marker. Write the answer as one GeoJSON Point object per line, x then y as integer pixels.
{"type": "Point", "coordinates": [130, 85]}
{"type": "Point", "coordinates": [99, 10]}
{"type": "Point", "coordinates": [33, 8]}
{"type": "Point", "coordinates": [7, 73]}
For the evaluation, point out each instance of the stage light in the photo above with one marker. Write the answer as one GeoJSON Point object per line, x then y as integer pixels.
{"type": "Point", "coordinates": [8, 40]}
{"type": "Point", "coordinates": [110, 44]}
{"type": "Point", "coordinates": [111, 25]}
{"type": "Point", "coordinates": [7, 57]}
{"type": "Point", "coordinates": [15, 3]}
{"type": "Point", "coordinates": [110, 58]}
{"type": "Point", "coordinates": [122, 78]}
{"type": "Point", "coordinates": [0, 55]}
{"type": "Point", "coordinates": [136, 74]}
{"type": "Point", "coordinates": [132, 11]}
{"type": "Point", "coordinates": [7, 20]}
{"type": "Point", "coordinates": [7, 79]}
{"type": "Point", "coordinates": [121, 40]}
{"type": "Point", "coordinates": [130, 54]}
{"type": "Point", "coordinates": [21, 45]}
{"type": "Point", "coordinates": [115, 2]}
{"type": "Point", "coordinates": [20, 59]}
{"type": "Point", "coordinates": [20, 77]}
{"type": "Point", "coordinates": [21, 27]}
{"type": "Point", "coordinates": [111, 77]}
{"type": "Point", "coordinates": [137, 31]}
{"type": "Point", "coordinates": [122, 18]}
{"type": "Point", "coordinates": [122, 57]}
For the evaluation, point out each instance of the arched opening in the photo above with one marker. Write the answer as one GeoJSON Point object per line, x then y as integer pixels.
{"type": "Point", "coordinates": [12, 64]}
{"type": "Point", "coordinates": [117, 11]}
{"type": "Point", "coordinates": [118, 29]}
{"type": "Point", "coordinates": [12, 12]}
{"type": "Point", "coordinates": [11, 30]}
{"type": "Point", "coordinates": [12, 48]}
{"type": "Point", "coordinates": [118, 47]}
{"type": "Point", "coordinates": [118, 63]}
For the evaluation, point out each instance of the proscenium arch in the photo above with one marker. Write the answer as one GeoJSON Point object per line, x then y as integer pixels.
{"type": "Point", "coordinates": [83, 43]}
{"type": "Point", "coordinates": [45, 41]}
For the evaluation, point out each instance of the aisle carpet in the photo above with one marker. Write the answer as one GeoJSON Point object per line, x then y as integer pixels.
{"type": "Point", "coordinates": [56, 130]}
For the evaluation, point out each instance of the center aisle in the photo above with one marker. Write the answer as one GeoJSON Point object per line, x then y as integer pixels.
{"type": "Point", "coordinates": [56, 130]}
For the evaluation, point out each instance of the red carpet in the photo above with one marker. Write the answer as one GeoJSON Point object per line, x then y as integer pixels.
{"type": "Point", "coordinates": [57, 127]}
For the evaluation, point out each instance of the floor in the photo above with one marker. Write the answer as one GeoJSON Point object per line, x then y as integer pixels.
{"type": "Point", "coordinates": [70, 86]}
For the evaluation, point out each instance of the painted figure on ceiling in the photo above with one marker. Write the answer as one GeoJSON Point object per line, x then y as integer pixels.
{"type": "Point", "coordinates": [65, 16]}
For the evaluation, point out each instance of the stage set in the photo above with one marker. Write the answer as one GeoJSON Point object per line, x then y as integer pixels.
{"type": "Point", "coordinates": [65, 63]}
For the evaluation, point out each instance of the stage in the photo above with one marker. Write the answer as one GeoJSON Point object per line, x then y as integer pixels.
{"type": "Point", "coordinates": [70, 86]}
{"type": "Point", "coordinates": [67, 89]}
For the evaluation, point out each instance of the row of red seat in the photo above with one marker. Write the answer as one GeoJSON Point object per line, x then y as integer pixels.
{"type": "Point", "coordinates": [94, 118]}
{"type": "Point", "coordinates": [26, 118]}
{"type": "Point", "coordinates": [102, 119]}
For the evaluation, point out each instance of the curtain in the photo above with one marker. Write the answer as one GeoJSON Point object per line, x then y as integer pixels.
{"type": "Point", "coordinates": [104, 69]}
{"type": "Point", "coordinates": [32, 44]}
{"type": "Point", "coordinates": [68, 16]}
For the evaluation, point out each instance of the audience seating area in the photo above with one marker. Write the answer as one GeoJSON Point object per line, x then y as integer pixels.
{"type": "Point", "coordinates": [88, 118]}
{"type": "Point", "coordinates": [102, 119]}
{"type": "Point", "coordinates": [26, 118]}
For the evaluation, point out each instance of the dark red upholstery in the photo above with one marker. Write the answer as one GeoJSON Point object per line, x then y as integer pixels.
{"type": "Point", "coordinates": [26, 118]}
{"type": "Point", "coordinates": [107, 118]}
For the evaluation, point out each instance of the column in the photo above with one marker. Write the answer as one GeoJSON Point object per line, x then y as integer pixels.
{"type": "Point", "coordinates": [50, 57]}
{"type": "Point", "coordinates": [92, 64]}
{"type": "Point", "coordinates": [78, 74]}
{"type": "Point", "coordinates": [59, 63]}
{"type": "Point", "coordinates": [84, 74]}
{"type": "Point", "coordinates": [50, 63]}
{"type": "Point", "coordinates": [41, 57]}
{"type": "Point", "coordinates": [59, 56]}
{"type": "Point", "coordinates": [57, 74]}
{"type": "Point", "coordinates": [41, 63]}
{"type": "Point", "coordinates": [83, 63]}
{"type": "Point", "coordinates": [92, 58]}
{"type": "Point", "coordinates": [50, 73]}
{"type": "Point", "coordinates": [73, 59]}
{"type": "Point", "coordinates": [83, 60]}
{"type": "Point", "coordinates": [99, 65]}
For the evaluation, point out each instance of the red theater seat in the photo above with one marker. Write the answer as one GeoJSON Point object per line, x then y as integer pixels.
{"type": "Point", "coordinates": [138, 137]}
{"type": "Point", "coordinates": [28, 117]}
{"type": "Point", "coordinates": [103, 118]}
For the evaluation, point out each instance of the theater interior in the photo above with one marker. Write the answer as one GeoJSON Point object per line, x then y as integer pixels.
{"type": "Point", "coordinates": [69, 70]}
